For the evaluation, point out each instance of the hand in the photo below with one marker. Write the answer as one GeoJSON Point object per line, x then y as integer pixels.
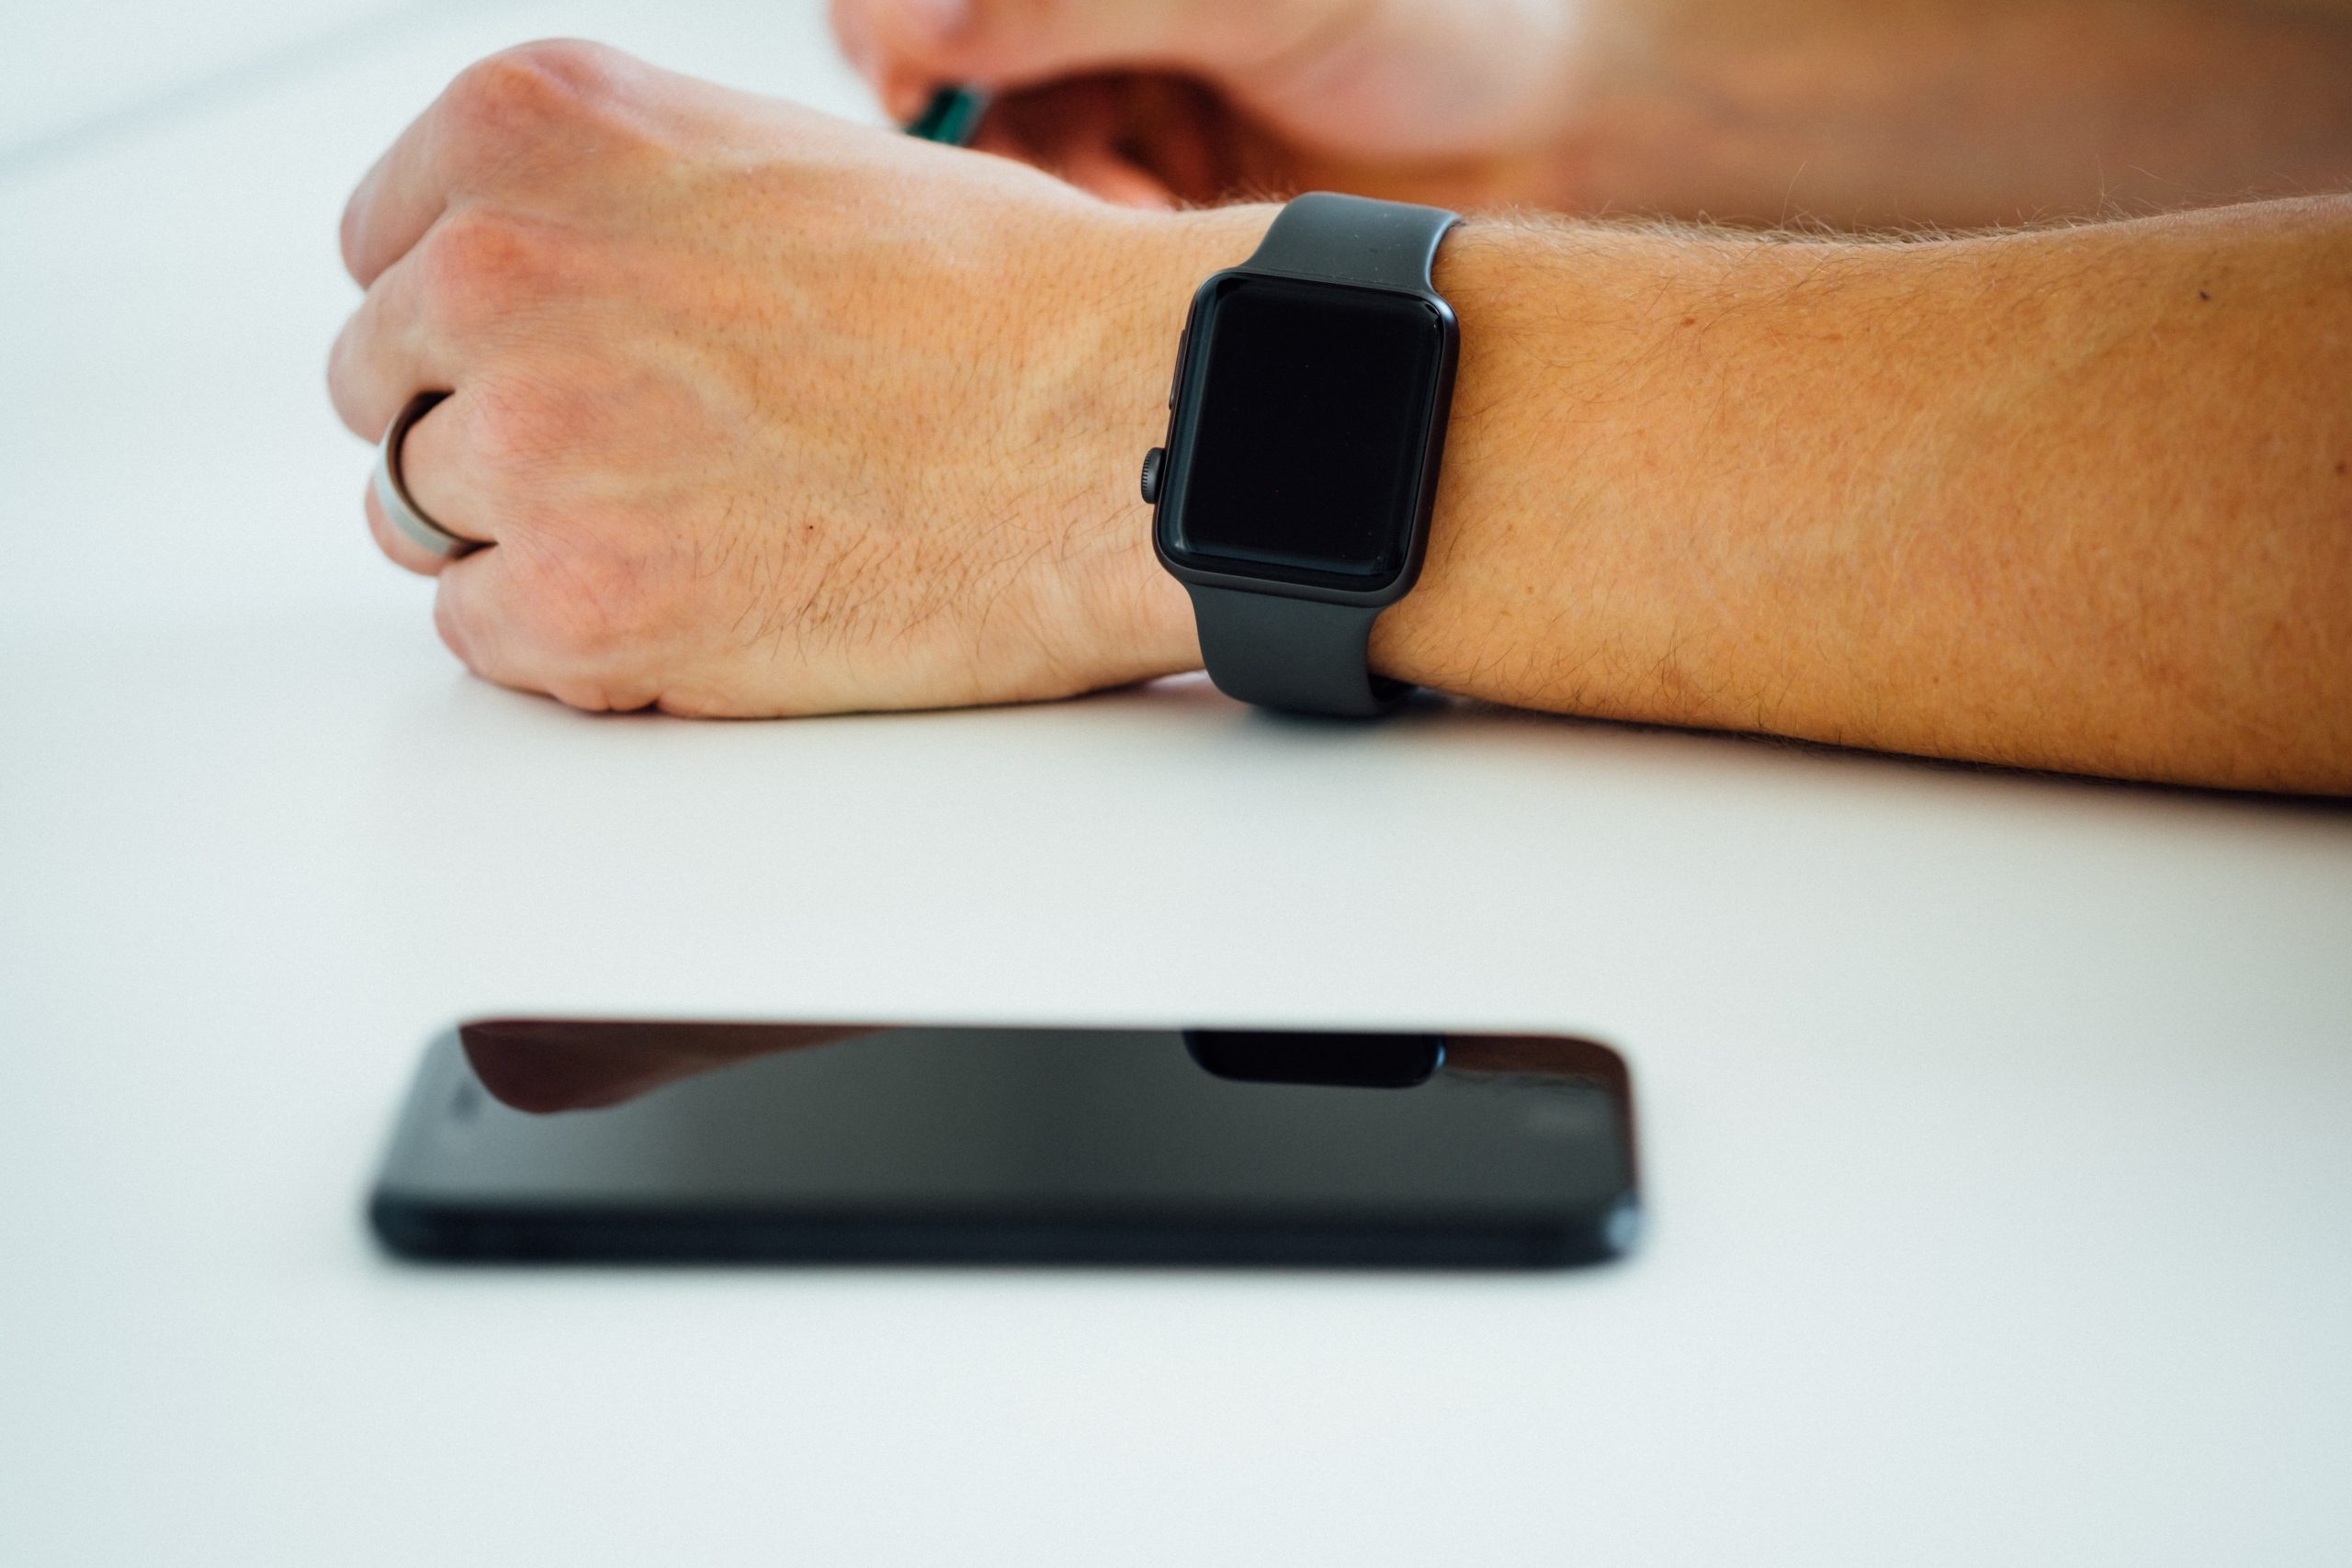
{"type": "Point", "coordinates": [1149, 102]}
{"type": "Point", "coordinates": [761, 413]}
{"type": "Point", "coordinates": [1846, 112]}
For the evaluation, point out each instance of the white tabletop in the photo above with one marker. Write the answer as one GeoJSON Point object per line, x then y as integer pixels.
{"type": "Point", "coordinates": [1998, 1129]}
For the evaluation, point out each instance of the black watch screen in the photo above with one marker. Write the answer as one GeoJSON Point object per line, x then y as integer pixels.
{"type": "Point", "coordinates": [1302, 430]}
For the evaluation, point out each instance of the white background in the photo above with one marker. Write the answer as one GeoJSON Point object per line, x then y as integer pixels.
{"type": "Point", "coordinates": [1998, 1129]}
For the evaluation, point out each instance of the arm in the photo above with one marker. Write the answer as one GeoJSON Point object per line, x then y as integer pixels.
{"type": "Point", "coordinates": [1959, 113]}
{"type": "Point", "coordinates": [2078, 499]}
{"type": "Point", "coordinates": [749, 437]}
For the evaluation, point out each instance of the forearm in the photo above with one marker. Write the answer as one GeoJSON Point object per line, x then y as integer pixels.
{"type": "Point", "coordinates": [2074, 500]}
{"type": "Point", "coordinates": [1951, 112]}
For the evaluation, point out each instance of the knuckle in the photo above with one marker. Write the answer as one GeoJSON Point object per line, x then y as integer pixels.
{"type": "Point", "coordinates": [343, 388]}
{"type": "Point", "coordinates": [526, 427]}
{"type": "Point", "coordinates": [522, 89]}
{"type": "Point", "coordinates": [591, 611]}
{"type": "Point", "coordinates": [479, 263]}
{"type": "Point", "coordinates": [578, 68]}
{"type": "Point", "coordinates": [350, 233]}
{"type": "Point", "coordinates": [568, 631]}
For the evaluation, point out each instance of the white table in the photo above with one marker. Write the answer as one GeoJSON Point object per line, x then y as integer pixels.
{"type": "Point", "coordinates": [1998, 1129]}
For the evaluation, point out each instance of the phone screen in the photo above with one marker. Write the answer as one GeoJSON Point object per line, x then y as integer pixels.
{"type": "Point", "coordinates": [552, 1140]}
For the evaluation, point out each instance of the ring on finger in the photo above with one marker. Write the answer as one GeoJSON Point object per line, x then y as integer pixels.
{"type": "Point", "coordinates": [391, 487]}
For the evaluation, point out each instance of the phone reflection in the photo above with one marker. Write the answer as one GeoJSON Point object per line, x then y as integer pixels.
{"type": "Point", "coordinates": [543, 1066]}
{"type": "Point", "coordinates": [546, 1064]}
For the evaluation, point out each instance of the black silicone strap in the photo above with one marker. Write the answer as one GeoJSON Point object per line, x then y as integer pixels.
{"type": "Point", "coordinates": [1351, 239]}
{"type": "Point", "coordinates": [1307, 655]}
{"type": "Point", "coordinates": [1299, 654]}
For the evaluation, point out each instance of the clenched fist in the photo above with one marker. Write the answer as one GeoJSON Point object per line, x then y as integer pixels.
{"type": "Point", "coordinates": [759, 413]}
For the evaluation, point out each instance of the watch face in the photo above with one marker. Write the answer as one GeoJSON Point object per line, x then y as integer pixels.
{"type": "Point", "coordinates": [1304, 426]}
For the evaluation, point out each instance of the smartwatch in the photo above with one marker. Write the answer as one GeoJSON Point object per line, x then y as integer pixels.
{"type": "Point", "coordinates": [1305, 423]}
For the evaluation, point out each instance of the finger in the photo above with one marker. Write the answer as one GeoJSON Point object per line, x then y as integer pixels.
{"type": "Point", "coordinates": [1119, 181]}
{"type": "Point", "coordinates": [1045, 127]}
{"type": "Point", "coordinates": [902, 93]}
{"type": "Point", "coordinates": [852, 25]}
{"type": "Point", "coordinates": [1083, 158]}
{"type": "Point", "coordinates": [443, 471]}
{"type": "Point", "coordinates": [402, 193]}
{"type": "Point", "coordinates": [1139, 140]}
{"type": "Point", "coordinates": [403, 551]}
{"type": "Point", "coordinates": [511, 621]}
{"type": "Point", "coordinates": [441, 483]}
{"type": "Point", "coordinates": [468, 606]}
{"type": "Point", "coordinates": [387, 353]}
{"type": "Point", "coordinates": [1193, 139]}
{"type": "Point", "coordinates": [493, 110]}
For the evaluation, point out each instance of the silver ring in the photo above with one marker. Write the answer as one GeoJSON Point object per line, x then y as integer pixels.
{"type": "Point", "coordinates": [391, 491]}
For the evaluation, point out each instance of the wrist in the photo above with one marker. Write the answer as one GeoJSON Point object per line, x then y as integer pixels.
{"type": "Point", "coordinates": [1556, 370]}
{"type": "Point", "coordinates": [1413, 639]}
{"type": "Point", "coordinates": [1120, 353]}
{"type": "Point", "coordinates": [1138, 618]}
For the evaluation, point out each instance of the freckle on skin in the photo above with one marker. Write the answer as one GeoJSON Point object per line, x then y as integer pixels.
{"type": "Point", "coordinates": [2202, 295]}
{"type": "Point", "coordinates": [1690, 320]}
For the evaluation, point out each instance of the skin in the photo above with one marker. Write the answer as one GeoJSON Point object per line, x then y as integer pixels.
{"type": "Point", "coordinates": [768, 415]}
{"type": "Point", "coordinates": [2069, 500]}
{"type": "Point", "coordinates": [1848, 113]}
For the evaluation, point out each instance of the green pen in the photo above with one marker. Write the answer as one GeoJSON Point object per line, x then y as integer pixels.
{"type": "Point", "coordinates": [952, 116]}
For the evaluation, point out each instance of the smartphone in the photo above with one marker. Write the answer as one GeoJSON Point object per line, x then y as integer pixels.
{"type": "Point", "coordinates": [550, 1140]}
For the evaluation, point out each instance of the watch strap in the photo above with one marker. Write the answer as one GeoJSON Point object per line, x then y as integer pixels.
{"type": "Point", "coordinates": [1300, 655]}
{"type": "Point", "coordinates": [1352, 239]}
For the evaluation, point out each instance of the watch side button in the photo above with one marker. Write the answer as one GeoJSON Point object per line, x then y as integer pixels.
{"type": "Point", "coordinates": [1154, 461]}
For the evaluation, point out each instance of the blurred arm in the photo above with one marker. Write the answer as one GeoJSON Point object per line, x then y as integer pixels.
{"type": "Point", "coordinates": [1959, 113]}
{"type": "Point", "coordinates": [2077, 499]}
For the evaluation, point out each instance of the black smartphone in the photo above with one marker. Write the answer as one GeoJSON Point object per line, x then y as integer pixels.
{"type": "Point", "coordinates": [550, 1140]}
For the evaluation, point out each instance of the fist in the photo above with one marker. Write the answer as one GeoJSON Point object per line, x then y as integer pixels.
{"type": "Point", "coordinates": [758, 413]}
